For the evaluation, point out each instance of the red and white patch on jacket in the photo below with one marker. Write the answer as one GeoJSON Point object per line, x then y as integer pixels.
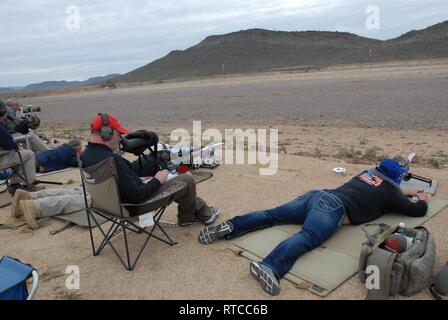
{"type": "Point", "coordinates": [370, 179]}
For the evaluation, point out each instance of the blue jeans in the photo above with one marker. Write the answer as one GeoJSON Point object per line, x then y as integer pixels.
{"type": "Point", "coordinates": [321, 214]}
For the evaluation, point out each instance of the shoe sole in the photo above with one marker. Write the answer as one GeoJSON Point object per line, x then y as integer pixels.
{"type": "Point", "coordinates": [209, 235]}
{"type": "Point", "coordinates": [206, 236]}
{"type": "Point", "coordinates": [267, 283]}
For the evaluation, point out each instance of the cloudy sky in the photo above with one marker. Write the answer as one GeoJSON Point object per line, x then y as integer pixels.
{"type": "Point", "coordinates": [42, 40]}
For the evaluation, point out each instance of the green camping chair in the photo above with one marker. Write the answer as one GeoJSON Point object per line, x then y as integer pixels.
{"type": "Point", "coordinates": [100, 181]}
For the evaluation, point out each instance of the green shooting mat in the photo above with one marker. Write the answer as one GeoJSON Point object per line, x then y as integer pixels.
{"type": "Point", "coordinates": [325, 268]}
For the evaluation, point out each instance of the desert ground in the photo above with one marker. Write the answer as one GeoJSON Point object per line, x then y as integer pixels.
{"type": "Point", "coordinates": [349, 117]}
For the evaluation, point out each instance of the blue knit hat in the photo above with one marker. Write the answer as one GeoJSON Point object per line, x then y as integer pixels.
{"type": "Point", "coordinates": [392, 169]}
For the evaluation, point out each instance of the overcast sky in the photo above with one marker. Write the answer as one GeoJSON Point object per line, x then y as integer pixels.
{"type": "Point", "coordinates": [41, 40]}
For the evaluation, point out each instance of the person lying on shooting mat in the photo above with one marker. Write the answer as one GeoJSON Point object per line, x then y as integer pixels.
{"type": "Point", "coordinates": [59, 158]}
{"type": "Point", "coordinates": [363, 199]}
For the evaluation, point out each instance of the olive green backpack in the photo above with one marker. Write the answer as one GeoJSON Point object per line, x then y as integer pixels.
{"type": "Point", "coordinates": [403, 273]}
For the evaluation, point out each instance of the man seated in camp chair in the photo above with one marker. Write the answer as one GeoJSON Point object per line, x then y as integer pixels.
{"type": "Point", "coordinates": [191, 208]}
{"type": "Point", "coordinates": [17, 130]}
{"type": "Point", "coordinates": [364, 198]}
{"type": "Point", "coordinates": [9, 154]}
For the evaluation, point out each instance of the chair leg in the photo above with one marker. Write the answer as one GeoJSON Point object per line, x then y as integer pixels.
{"type": "Point", "coordinates": [90, 230]}
{"type": "Point", "coordinates": [15, 172]}
{"type": "Point", "coordinates": [22, 163]}
{"type": "Point", "coordinates": [140, 252]}
{"type": "Point", "coordinates": [126, 246]}
{"type": "Point", "coordinates": [158, 216]}
{"type": "Point", "coordinates": [106, 240]}
{"type": "Point", "coordinates": [109, 235]}
{"type": "Point", "coordinates": [124, 226]}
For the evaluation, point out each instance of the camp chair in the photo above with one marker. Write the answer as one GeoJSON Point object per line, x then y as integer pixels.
{"type": "Point", "coordinates": [15, 166]}
{"type": "Point", "coordinates": [101, 182]}
{"type": "Point", "coordinates": [23, 140]}
{"type": "Point", "coordinates": [13, 277]}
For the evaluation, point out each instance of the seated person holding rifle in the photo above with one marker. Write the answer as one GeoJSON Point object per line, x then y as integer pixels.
{"type": "Point", "coordinates": [104, 140]}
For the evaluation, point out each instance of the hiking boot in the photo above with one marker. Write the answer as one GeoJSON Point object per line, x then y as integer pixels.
{"type": "Point", "coordinates": [19, 195]}
{"type": "Point", "coordinates": [215, 213]}
{"type": "Point", "coordinates": [266, 277]}
{"type": "Point", "coordinates": [29, 211]}
{"type": "Point", "coordinates": [210, 234]}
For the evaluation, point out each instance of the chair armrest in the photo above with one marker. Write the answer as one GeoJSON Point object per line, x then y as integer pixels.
{"type": "Point", "coordinates": [161, 198]}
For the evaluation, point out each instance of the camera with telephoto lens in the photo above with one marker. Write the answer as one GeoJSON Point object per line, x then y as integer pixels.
{"type": "Point", "coordinates": [29, 120]}
{"type": "Point", "coordinates": [31, 109]}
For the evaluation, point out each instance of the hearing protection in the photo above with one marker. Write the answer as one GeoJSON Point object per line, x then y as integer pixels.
{"type": "Point", "coordinates": [106, 132]}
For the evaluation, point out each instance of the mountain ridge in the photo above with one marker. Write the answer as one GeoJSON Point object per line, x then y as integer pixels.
{"type": "Point", "coordinates": [258, 50]}
{"type": "Point", "coordinates": [59, 84]}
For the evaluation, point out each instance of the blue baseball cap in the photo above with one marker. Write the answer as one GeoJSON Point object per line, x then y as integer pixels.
{"type": "Point", "coordinates": [392, 169]}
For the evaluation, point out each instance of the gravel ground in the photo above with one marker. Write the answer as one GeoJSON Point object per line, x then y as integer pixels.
{"type": "Point", "coordinates": [391, 97]}
{"type": "Point", "coordinates": [384, 99]}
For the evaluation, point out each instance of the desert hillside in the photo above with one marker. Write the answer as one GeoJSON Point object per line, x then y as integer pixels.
{"type": "Point", "coordinates": [258, 50]}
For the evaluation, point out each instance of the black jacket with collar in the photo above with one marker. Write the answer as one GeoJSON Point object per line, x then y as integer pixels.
{"type": "Point", "coordinates": [6, 140]}
{"type": "Point", "coordinates": [367, 197]}
{"type": "Point", "coordinates": [132, 189]}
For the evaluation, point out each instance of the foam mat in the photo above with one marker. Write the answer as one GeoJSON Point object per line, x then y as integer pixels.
{"type": "Point", "coordinates": [325, 268]}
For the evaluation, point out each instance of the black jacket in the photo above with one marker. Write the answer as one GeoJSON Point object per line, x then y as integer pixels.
{"type": "Point", "coordinates": [6, 140]}
{"type": "Point", "coordinates": [367, 197]}
{"type": "Point", "coordinates": [132, 189]}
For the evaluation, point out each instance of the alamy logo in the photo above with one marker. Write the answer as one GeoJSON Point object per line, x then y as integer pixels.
{"type": "Point", "coordinates": [73, 280]}
{"type": "Point", "coordinates": [373, 278]}
{"type": "Point", "coordinates": [373, 18]}
{"type": "Point", "coordinates": [72, 19]}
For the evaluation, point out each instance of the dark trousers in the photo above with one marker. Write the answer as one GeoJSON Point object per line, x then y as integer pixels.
{"type": "Point", "coordinates": [191, 207]}
{"type": "Point", "coordinates": [321, 214]}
